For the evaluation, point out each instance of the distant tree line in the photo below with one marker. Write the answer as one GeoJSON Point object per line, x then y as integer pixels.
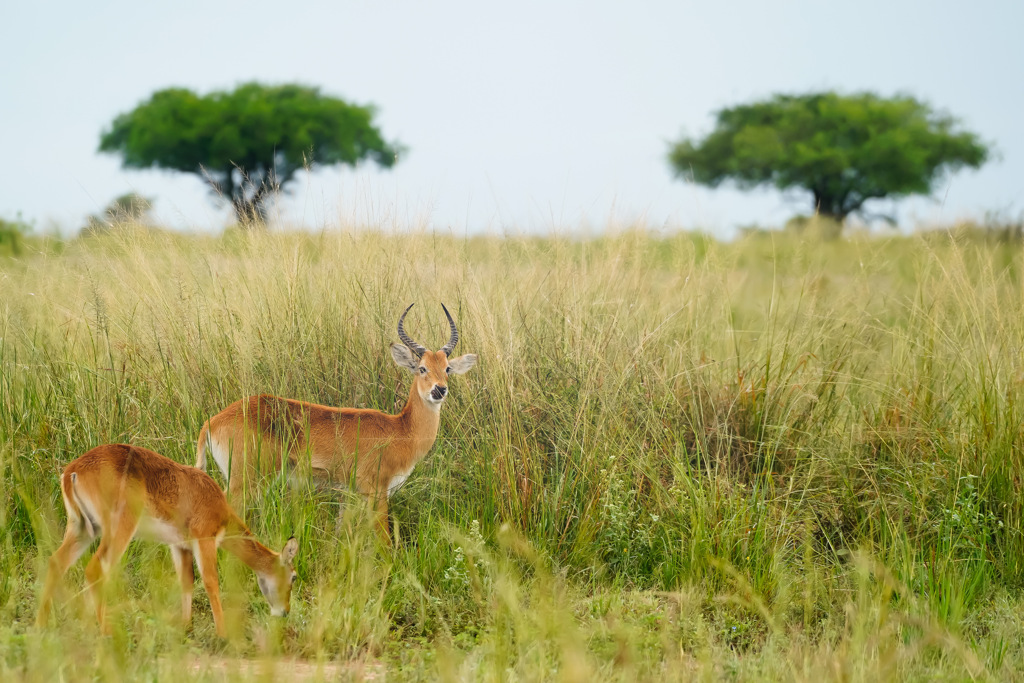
{"type": "Point", "coordinates": [843, 150]}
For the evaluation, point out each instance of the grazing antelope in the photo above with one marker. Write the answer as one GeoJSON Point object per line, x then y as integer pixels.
{"type": "Point", "coordinates": [119, 492]}
{"type": "Point", "coordinates": [374, 451]}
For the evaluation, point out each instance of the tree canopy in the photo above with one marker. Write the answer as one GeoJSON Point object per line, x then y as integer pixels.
{"type": "Point", "coordinates": [248, 142]}
{"type": "Point", "coordinates": [844, 150]}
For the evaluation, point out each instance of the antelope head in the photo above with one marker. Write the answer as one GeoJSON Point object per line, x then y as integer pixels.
{"type": "Point", "coordinates": [276, 581]}
{"type": "Point", "coordinates": [431, 368]}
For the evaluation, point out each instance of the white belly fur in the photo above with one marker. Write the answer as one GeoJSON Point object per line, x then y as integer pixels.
{"type": "Point", "coordinates": [396, 482]}
{"type": "Point", "coordinates": [151, 529]}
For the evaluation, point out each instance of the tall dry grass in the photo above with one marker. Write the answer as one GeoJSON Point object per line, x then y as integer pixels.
{"type": "Point", "coordinates": [677, 458]}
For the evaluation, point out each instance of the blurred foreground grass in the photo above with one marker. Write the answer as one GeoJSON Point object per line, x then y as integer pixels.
{"type": "Point", "coordinates": [769, 459]}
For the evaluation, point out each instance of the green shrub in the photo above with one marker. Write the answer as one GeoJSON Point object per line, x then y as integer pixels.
{"type": "Point", "coordinates": [12, 237]}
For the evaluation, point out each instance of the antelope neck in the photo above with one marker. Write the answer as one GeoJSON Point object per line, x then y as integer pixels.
{"type": "Point", "coordinates": [240, 542]}
{"type": "Point", "coordinates": [417, 415]}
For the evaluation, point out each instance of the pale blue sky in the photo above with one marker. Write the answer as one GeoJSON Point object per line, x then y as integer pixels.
{"type": "Point", "coordinates": [524, 116]}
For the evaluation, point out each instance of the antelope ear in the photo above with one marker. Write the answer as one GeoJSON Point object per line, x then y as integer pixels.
{"type": "Point", "coordinates": [289, 551]}
{"type": "Point", "coordinates": [404, 357]}
{"type": "Point", "coordinates": [462, 364]}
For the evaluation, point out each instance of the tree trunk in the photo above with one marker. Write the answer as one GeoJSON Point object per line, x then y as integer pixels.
{"type": "Point", "coordinates": [250, 211]}
{"type": "Point", "coordinates": [837, 216]}
{"type": "Point", "coordinates": [829, 207]}
{"type": "Point", "coordinates": [828, 216]}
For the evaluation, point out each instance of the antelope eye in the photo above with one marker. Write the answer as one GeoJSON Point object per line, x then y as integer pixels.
{"type": "Point", "coordinates": [294, 576]}
{"type": "Point", "coordinates": [423, 371]}
{"type": "Point", "coordinates": [448, 370]}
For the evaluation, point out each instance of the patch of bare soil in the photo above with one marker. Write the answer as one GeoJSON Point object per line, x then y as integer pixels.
{"type": "Point", "coordinates": [291, 670]}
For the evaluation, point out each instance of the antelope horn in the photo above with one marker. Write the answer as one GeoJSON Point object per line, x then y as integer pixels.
{"type": "Point", "coordinates": [450, 346]}
{"type": "Point", "coordinates": [418, 349]}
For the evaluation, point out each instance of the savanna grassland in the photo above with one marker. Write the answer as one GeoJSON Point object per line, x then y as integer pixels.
{"type": "Point", "coordinates": [778, 458]}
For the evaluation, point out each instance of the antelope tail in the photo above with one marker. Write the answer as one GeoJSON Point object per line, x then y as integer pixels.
{"type": "Point", "coordinates": [201, 446]}
{"type": "Point", "coordinates": [76, 509]}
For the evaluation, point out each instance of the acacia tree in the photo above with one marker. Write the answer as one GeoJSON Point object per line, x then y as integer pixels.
{"type": "Point", "coordinates": [844, 150]}
{"type": "Point", "coordinates": [249, 142]}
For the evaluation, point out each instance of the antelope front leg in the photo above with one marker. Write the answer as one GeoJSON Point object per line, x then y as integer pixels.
{"type": "Point", "coordinates": [381, 510]}
{"type": "Point", "coordinates": [206, 554]}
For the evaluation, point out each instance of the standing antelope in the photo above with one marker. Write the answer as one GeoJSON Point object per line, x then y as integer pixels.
{"type": "Point", "coordinates": [120, 492]}
{"type": "Point", "coordinates": [373, 450]}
